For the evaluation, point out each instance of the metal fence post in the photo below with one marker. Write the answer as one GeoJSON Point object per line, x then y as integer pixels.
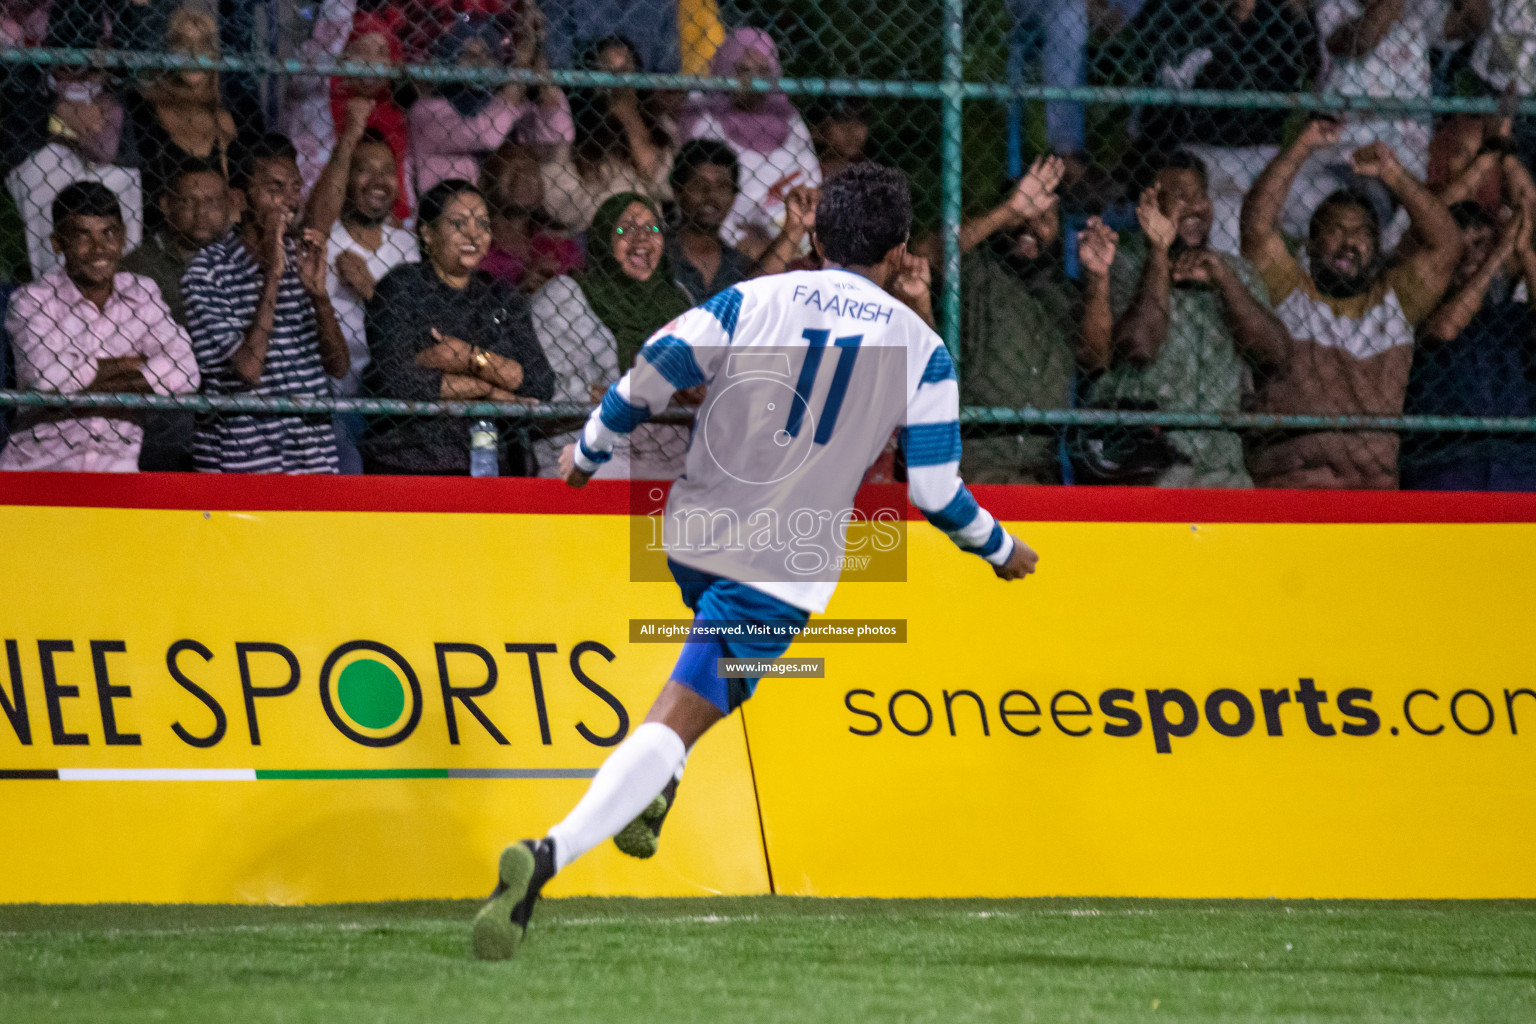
{"type": "Point", "coordinates": [954, 97]}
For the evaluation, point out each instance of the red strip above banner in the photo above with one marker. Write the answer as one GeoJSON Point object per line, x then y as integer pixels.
{"type": "Point", "coordinates": [551, 497]}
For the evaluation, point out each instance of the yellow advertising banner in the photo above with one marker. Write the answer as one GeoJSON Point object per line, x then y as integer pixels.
{"type": "Point", "coordinates": [306, 706]}
{"type": "Point", "coordinates": [1176, 709]}
{"type": "Point", "coordinates": [303, 691]}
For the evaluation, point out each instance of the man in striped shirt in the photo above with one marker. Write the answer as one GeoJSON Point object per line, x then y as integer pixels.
{"type": "Point", "coordinates": [807, 375]}
{"type": "Point", "coordinates": [262, 324]}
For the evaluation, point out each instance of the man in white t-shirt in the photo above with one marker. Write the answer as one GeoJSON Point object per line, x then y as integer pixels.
{"type": "Point", "coordinates": [1381, 49]}
{"type": "Point", "coordinates": [351, 203]}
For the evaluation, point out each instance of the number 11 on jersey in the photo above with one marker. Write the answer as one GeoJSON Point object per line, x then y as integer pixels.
{"type": "Point", "coordinates": [848, 352]}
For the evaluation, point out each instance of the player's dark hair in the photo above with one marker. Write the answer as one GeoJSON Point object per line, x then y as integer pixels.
{"type": "Point", "coordinates": [271, 146]}
{"type": "Point", "coordinates": [1470, 214]}
{"type": "Point", "coordinates": [1343, 199]}
{"type": "Point", "coordinates": [864, 213]}
{"type": "Point", "coordinates": [85, 199]}
{"type": "Point", "coordinates": [704, 153]}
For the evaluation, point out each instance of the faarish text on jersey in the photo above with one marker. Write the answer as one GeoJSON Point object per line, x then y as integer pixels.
{"type": "Point", "coordinates": [837, 305]}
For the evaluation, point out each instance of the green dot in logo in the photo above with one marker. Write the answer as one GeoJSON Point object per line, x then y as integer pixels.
{"type": "Point", "coordinates": [370, 693]}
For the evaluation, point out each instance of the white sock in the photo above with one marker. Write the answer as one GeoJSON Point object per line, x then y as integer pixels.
{"type": "Point", "coordinates": [627, 782]}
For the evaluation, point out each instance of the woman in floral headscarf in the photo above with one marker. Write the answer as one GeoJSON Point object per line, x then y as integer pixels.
{"type": "Point", "coordinates": [766, 133]}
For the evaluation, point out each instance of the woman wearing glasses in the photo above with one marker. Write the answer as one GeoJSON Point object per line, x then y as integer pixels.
{"type": "Point", "coordinates": [444, 329]}
{"type": "Point", "coordinates": [593, 325]}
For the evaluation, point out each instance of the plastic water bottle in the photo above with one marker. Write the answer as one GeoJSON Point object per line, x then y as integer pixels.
{"type": "Point", "coordinates": [482, 449]}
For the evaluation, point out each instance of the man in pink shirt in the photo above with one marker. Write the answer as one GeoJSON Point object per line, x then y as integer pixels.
{"type": "Point", "coordinates": [86, 327]}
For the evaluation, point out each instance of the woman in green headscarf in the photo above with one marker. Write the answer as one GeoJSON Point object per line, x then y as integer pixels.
{"type": "Point", "coordinates": [591, 327]}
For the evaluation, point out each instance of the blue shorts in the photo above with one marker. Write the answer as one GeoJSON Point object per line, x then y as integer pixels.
{"type": "Point", "coordinates": [717, 601]}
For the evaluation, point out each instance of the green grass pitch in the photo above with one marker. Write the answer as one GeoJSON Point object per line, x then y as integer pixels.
{"type": "Point", "coordinates": [801, 961]}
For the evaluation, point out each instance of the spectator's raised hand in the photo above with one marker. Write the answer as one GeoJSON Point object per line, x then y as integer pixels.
{"type": "Point", "coordinates": [1196, 266]}
{"type": "Point", "coordinates": [530, 37]}
{"type": "Point", "coordinates": [1499, 131]}
{"type": "Point", "coordinates": [800, 209]}
{"type": "Point", "coordinates": [513, 93]}
{"type": "Point", "coordinates": [1160, 228]}
{"type": "Point", "coordinates": [551, 97]}
{"type": "Point", "coordinates": [1035, 193]}
{"type": "Point", "coordinates": [312, 263]}
{"type": "Point", "coordinates": [83, 117]}
{"type": "Point", "coordinates": [624, 104]}
{"type": "Point", "coordinates": [353, 271]}
{"type": "Point", "coordinates": [779, 191]}
{"type": "Point", "coordinates": [274, 231]}
{"type": "Point", "coordinates": [914, 279]}
{"type": "Point", "coordinates": [913, 285]}
{"type": "Point", "coordinates": [1517, 180]}
{"type": "Point", "coordinates": [1515, 232]}
{"type": "Point", "coordinates": [1096, 245]}
{"type": "Point", "coordinates": [359, 110]}
{"type": "Point", "coordinates": [1319, 132]}
{"type": "Point", "coordinates": [1376, 161]}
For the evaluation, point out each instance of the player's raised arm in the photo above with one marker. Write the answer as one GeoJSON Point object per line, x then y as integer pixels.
{"type": "Point", "coordinates": [675, 358]}
{"type": "Point", "coordinates": [931, 440]}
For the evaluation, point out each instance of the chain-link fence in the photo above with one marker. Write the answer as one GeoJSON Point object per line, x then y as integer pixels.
{"type": "Point", "coordinates": [1256, 242]}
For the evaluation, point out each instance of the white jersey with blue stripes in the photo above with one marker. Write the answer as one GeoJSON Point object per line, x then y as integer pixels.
{"type": "Point", "coordinates": [807, 376]}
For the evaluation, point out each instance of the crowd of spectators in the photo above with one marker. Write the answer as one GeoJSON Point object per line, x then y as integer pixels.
{"type": "Point", "coordinates": [405, 237]}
